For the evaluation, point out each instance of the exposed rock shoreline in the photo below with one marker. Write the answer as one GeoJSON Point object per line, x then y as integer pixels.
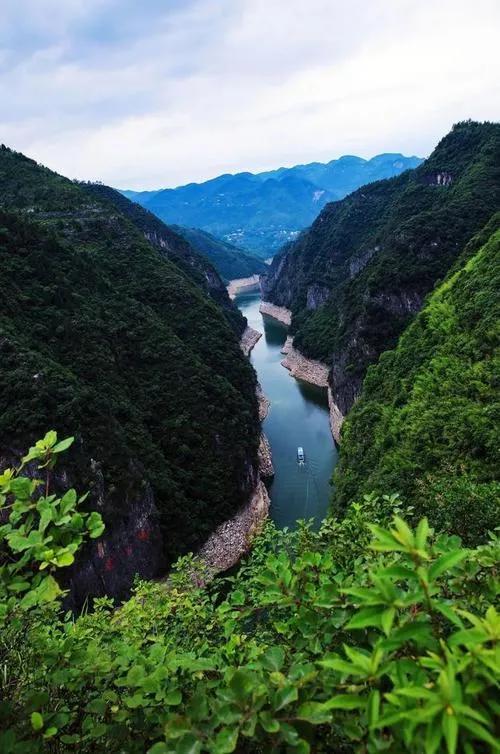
{"type": "Point", "coordinates": [316, 373]}
{"type": "Point", "coordinates": [249, 339]}
{"type": "Point", "coordinates": [277, 312]}
{"type": "Point", "coordinates": [303, 368]}
{"type": "Point", "coordinates": [266, 468]}
{"type": "Point", "coordinates": [232, 539]}
{"type": "Point", "coordinates": [336, 417]}
{"type": "Point", "coordinates": [243, 284]}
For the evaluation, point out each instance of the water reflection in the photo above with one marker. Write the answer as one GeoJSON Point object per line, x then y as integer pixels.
{"type": "Point", "coordinates": [274, 332]}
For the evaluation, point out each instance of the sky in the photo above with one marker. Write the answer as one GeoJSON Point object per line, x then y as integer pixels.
{"type": "Point", "coordinates": [145, 94]}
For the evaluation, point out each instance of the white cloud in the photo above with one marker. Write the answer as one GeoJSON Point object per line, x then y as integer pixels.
{"type": "Point", "coordinates": [227, 85]}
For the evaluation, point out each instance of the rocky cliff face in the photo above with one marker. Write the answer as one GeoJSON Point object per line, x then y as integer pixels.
{"type": "Point", "coordinates": [357, 277]}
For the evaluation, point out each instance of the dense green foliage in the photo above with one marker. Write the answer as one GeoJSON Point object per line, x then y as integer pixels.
{"type": "Point", "coordinates": [261, 211]}
{"type": "Point", "coordinates": [356, 638]}
{"type": "Point", "coordinates": [175, 246]}
{"type": "Point", "coordinates": [230, 261]}
{"type": "Point", "coordinates": [426, 424]}
{"type": "Point", "coordinates": [40, 532]}
{"type": "Point", "coordinates": [371, 258]}
{"type": "Point", "coordinates": [102, 336]}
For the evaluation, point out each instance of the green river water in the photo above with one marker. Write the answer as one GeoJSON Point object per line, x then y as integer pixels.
{"type": "Point", "coordinates": [298, 416]}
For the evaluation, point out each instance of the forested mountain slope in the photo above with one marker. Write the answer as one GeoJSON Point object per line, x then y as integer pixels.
{"type": "Point", "coordinates": [356, 278]}
{"type": "Point", "coordinates": [426, 424]}
{"type": "Point", "coordinates": [230, 261]}
{"type": "Point", "coordinates": [262, 211]}
{"type": "Point", "coordinates": [177, 247]}
{"type": "Point", "coordinates": [103, 337]}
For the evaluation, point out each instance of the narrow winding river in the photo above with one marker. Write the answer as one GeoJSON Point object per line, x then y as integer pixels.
{"type": "Point", "coordinates": [298, 416]}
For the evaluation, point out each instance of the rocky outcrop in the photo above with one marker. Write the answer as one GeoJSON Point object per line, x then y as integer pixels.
{"type": "Point", "coordinates": [276, 312]}
{"type": "Point", "coordinates": [359, 262]}
{"type": "Point", "coordinates": [336, 417]}
{"type": "Point", "coordinates": [317, 295]}
{"type": "Point", "coordinates": [249, 339]}
{"type": "Point", "coordinates": [302, 368]}
{"type": "Point", "coordinates": [264, 403]}
{"type": "Point", "coordinates": [243, 285]}
{"type": "Point", "coordinates": [266, 468]}
{"type": "Point", "coordinates": [232, 539]}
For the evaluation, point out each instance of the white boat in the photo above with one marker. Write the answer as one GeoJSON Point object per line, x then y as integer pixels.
{"type": "Point", "coordinates": [300, 455]}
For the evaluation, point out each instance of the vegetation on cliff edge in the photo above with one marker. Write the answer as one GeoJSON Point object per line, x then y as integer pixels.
{"type": "Point", "coordinates": [426, 424]}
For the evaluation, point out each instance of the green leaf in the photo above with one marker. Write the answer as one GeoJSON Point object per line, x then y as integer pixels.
{"type": "Point", "coordinates": [373, 707]}
{"type": "Point", "coordinates": [273, 658]}
{"type": "Point", "coordinates": [268, 722]}
{"type": "Point", "coordinates": [49, 440]}
{"type": "Point", "coordinates": [285, 696]}
{"type": "Point", "coordinates": [36, 721]}
{"type": "Point", "coordinates": [433, 736]}
{"type": "Point", "coordinates": [48, 590]}
{"type": "Point", "coordinates": [384, 540]}
{"type": "Point", "coordinates": [188, 744]}
{"type": "Point", "coordinates": [388, 619]}
{"type": "Point", "coordinates": [360, 660]}
{"type": "Point", "coordinates": [21, 487]}
{"type": "Point", "coordinates": [403, 533]}
{"type": "Point", "coordinates": [173, 698]}
{"type": "Point", "coordinates": [63, 445]}
{"type": "Point", "coordinates": [479, 732]}
{"type": "Point", "coordinates": [368, 616]}
{"type": "Point", "coordinates": [135, 675]}
{"type": "Point", "coordinates": [66, 559]}
{"type": "Point", "coordinates": [450, 730]}
{"type": "Point", "coordinates": [313, 712]}
{"type": "Point", "coordinates": [448, 613]}
{"type": "Point", "coordinates": [346, 701]}
{"type": "Point", "coordinates": [421, 534]}
{"type": "Point", "coordinates": [446, 562]}
{"type": "Point", "coordinates": [225, 741]}
{"type": "Point", "coordinates": [158, 748]}
{"type": "Point", "coordinates": [242, 684]}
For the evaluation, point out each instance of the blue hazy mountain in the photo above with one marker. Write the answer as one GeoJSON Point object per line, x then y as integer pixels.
{"type": "Point", "coordinates": [262, 211]}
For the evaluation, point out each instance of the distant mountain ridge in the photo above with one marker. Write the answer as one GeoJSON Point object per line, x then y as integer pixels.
{"type": "Point", "coordinates": [262, 211]}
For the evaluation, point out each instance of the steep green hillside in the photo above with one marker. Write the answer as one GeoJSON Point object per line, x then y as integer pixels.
{"type": "Point", "coordinates": [426, 424]}
{"type": "Point", "coordinates": [361, 272]}
{"type": "Point", "coordinates": [230, 261]}
{"type": "Point", "coordinates": [170, 242]}
{"type": "Point", "coordinates": [104, 338]}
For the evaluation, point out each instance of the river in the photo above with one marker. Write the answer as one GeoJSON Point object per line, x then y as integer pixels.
{"type": "Point", "coordinates": [298, 416]}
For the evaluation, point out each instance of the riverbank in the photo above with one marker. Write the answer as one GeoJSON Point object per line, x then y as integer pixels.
{"type": "Point", "coordinates": [232, 539]}
{"type": "Point", "coordinates": [276, 312]}
{"type": "Point", "coordinates": [249, 339]}
{"type": "Point", "coordinates": [240, 285]}
{"type": "Point", "coordinates": [336, 417]}
{"type": "Point", "coordinates": [303, 368]}
{"type": "Point", "coordinates": [316, 373]}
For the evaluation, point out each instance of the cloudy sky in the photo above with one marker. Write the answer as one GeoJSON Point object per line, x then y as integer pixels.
{"type": "Point", "coordinates": [150, 93]}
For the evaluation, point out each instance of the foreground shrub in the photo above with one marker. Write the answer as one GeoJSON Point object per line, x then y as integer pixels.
{"type": "Point", "coordinates": [357, 638]}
